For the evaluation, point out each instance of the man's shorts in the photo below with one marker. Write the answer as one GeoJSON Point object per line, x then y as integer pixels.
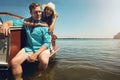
{"type": "Point", "coordinates": [22, 51]}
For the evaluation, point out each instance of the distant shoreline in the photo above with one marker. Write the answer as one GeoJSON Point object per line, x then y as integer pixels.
{"type": "Point", "coordinates": [85, 38]}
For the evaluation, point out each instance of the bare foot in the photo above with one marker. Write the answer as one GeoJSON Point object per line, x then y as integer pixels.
{"type": "Point", "coordinates": [40, 74]}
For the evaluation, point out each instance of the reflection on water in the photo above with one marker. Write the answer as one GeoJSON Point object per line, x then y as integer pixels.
{"type": "Point", "coordinates": [82, 60]}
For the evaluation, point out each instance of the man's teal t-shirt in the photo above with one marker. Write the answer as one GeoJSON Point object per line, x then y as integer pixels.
{"type": "Point", "coordinates": [36, 36]}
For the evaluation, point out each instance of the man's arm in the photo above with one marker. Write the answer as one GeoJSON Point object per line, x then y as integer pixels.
{"type": "Point", "coordinates": [46, 45]}
{"type": "Point", "coordinates": [40, 50]}
{"type": "Point", "coordinates": [34, 56]}
{"type": "Point", "coordinates": [5, 27]}
{"type": "Point", "coordinates": [47, 42]}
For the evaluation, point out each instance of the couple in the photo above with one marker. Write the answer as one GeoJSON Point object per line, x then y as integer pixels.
{"type": "Point", "coordinates": [38, 42]}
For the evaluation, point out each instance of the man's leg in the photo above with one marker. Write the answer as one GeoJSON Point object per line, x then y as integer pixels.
{"type": "Point", "coordinates": [44, 59]}
{"type": "Point", "coordinates": [16, 64]}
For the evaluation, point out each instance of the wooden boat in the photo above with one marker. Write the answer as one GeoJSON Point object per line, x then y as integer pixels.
{"type": "Point", "coordinates": [10, 45]}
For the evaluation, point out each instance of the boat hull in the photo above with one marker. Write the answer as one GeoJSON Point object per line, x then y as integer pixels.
{"type": "Point", "coordinates": [17, 41]}
{"type": "Point", "coordinates": [14, 43]}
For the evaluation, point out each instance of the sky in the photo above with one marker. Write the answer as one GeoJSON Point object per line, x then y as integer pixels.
{"type": "Point", "coordinates": [76, 18]}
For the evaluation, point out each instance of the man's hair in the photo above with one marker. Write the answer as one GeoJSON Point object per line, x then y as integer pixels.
{"type": "Point", "coordinates": [33, 6]}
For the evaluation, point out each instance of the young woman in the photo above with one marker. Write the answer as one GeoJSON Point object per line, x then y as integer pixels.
{"type": "Point", "coordinates": [49, 15]}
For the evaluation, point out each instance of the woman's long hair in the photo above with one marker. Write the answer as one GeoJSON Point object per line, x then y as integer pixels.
{"type": "Point", "coordinates": [46, 19]}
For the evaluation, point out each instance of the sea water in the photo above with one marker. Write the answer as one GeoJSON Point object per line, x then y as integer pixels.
{"type": "Point", "coordinates": [83, 59]}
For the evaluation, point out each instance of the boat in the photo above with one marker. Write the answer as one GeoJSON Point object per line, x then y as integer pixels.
{"type": "Point", "coordinates": [10, 45]}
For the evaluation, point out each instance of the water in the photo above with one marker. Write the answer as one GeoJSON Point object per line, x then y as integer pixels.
{"type": "Point", "coordinates": [88, 59]}
{"type": "Point", "coordinates": [83, 59]}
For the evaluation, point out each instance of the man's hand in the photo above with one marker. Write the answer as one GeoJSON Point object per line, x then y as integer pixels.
{"type": "Point", "coordinates": [33, 57]}
{"type": "Point", "coordinates": [5, 30]}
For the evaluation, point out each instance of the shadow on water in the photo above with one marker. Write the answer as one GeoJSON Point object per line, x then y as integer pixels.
{"type": "Point", "coordinates": [3, 74]}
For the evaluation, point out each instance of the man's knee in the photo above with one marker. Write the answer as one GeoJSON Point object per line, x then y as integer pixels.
{"type": "Point", "coordinates": [44, 65]}
{"type": "Point", "coordinates": [45, 62]}
{"type": "Point", "coordinates": [15, 62]}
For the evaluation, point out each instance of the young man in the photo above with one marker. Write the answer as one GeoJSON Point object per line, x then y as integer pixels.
{"type": "Point", "coordinates": [37, 44]}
